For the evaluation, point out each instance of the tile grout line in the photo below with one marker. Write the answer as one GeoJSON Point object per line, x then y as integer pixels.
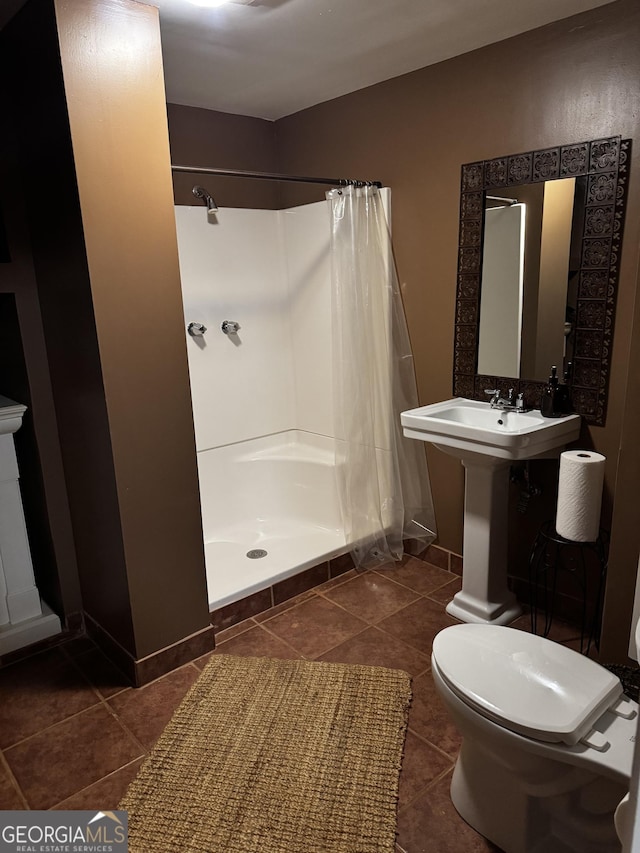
{"type": "Point", "coordinates": [286, 642]}
{"type": "Point", "coordinates": [137, 742]}
{"type": "Point", "coordinates": [101, 779]}
{"type": "Point", "coordinates": [386, 615]}
{"type": "Point", "coordinates": [123, 725]}
{"type": "Point", "coordinates": [52, 726]}
{"type": "Point", "coordinates": [426, 788]}
{"type": "Point", "coordinates": [400, 640]}
{"type": "Point", "coordinates": [12, 778]}
{"type": "Point", "coordinates": [56, 647]}
{"type": "Point", "coordinates": [435, 746]}
{"type": "Point", "coordinates": [318, 590]}
{"type": "Point", "coordinates": [367, 622]}
{"type": "Point", "coordinates": [388, 573]}
{"type": "Point", "coordinates": [102, 701]}
{"type": "Point", "coordinates": [435, 600]}
{"type": "Point", "coordinates": [109, 709]}
{"type": "Point", "coordinates": [362, 618]}
{"type": "Point", "coordinates": [73, 660]}
{"type": "Point", "coordinates": [422, 672]}
{"type": "Point", "coordinates": [127, 731]}
{"type": "Point", "coordinates": [337, 645]}
{"type": "Point", "coordinates": [249, 619]}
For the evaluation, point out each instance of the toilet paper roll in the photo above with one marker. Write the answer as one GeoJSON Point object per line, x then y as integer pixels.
{"type": "Point", "coordinates": [580, 495]}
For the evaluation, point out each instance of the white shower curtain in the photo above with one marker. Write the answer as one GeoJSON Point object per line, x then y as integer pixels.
{"type": "Point", "coordinates": [383, 481]}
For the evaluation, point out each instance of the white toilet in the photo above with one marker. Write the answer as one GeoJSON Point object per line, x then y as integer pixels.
{"type": "Point", "coordinates": [548, 739]}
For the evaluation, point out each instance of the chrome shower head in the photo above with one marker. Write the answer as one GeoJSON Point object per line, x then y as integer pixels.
{"type": "Point", "coordinates": [200, 192]}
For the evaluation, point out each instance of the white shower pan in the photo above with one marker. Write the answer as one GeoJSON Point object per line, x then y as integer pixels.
{"type": "Point", "coordinates": [276, 494]}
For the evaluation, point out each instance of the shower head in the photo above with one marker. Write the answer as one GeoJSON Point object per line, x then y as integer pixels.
{"type": "Point", "coordinates": [200, 192]}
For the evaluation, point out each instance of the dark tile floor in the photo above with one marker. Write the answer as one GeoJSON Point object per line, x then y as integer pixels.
{"type": "Point", "coordinates": [72, 734]}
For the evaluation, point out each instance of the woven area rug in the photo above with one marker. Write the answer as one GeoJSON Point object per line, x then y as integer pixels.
{"type": "Point", "coordinates": [274, 756]}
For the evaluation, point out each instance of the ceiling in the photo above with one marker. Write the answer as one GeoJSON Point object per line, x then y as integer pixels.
{"type": "Point", "coordinates": [275, 57]}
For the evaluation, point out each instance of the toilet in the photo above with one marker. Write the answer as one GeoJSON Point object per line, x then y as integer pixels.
{"type": "Point", "coordinates": [548, 739]}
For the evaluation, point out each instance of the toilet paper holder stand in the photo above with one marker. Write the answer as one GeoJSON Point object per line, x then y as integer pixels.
{"type": "Point", "coordinates": [586, 562]}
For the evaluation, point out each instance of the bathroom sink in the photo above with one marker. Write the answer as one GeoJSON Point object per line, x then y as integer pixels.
{"type": "Point", "coordinates": [461, 427]}
{"type": "Point", "coordinates": [487, 441]}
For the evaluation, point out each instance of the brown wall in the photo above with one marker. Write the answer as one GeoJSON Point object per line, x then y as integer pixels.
{"type": "Point", "coordinates": [573, 80]}
{"type": "Point", "coordinates": [121, 153]}
{"type": "Point", "coordinates": [625, 529]}
{"type": "Point", "coordinates": [103, 242]}
{"type": "Point", "coordinates": [209, 138]}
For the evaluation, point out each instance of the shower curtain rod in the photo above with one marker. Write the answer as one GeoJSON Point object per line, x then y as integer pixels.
{"type": "Point", "coordinates": [272, 176]}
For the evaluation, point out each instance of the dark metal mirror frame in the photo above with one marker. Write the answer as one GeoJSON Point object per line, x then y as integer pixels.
{"type": "Point", "coordinates": [605, 162]}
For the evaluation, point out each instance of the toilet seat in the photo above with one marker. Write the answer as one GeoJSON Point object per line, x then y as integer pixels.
{"type": "Point", "coordinates": [526, 683]}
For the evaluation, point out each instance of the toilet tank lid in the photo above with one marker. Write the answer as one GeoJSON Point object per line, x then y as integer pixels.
{"type": "Point", "coordinates": [524, 682]}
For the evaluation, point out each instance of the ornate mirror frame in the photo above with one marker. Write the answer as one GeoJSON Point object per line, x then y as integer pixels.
{"type": "Point", "coordinates": [605, 164]}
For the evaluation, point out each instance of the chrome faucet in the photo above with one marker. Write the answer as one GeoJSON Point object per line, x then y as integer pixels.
{"type": "Point", "coordinates": [508, 404]}
{"type": "Point", "coordinates": [230, 327]}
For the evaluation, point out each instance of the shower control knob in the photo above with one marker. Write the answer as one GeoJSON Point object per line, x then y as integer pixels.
{"type": "Point", "coordinates": [196, 330]}
{"type": "Point", "coordinates": [230, 327]}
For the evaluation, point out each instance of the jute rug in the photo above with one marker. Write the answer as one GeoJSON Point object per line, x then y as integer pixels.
{"type": "Point", "coordinates": [274, 756]}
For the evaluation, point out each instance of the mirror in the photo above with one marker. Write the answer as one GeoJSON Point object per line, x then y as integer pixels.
{"type": "Point", "coordinates": [528, 296]}
{"type": "Point", "coordinates": [540, 236]}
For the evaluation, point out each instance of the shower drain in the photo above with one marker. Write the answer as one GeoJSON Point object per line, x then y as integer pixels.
{"type": "Point", "coordinates": [256, 553]}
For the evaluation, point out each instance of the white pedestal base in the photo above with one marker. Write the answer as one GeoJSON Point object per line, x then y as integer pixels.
{"type": "Point", "coordinates": [485, 596]}
{"type": "Point", "coordinates": [469, 609]}
{"type": "Point", "coordinates": [33, 630]}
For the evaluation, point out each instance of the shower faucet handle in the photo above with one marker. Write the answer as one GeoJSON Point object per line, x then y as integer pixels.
{"type": "Point", "coordinates": [230, 327]}
{"type": "Point", "coordinates": [196, 330]}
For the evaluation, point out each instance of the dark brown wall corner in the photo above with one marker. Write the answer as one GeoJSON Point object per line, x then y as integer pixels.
{"type": "Point", "coordinates": [95, 145]}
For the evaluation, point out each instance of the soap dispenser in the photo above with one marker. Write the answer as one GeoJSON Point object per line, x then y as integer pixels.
{"type": "Point", "coordinates": [563, 405]}
{"type": "Point", "coordinates": [548, 404]}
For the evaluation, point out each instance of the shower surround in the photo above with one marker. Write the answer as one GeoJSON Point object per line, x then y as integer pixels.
{"type": "Point", "coordinates": [262, 399]}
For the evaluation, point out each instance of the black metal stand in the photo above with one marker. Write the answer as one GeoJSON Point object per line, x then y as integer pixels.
{"type": "Point", "coordinates": [552, 554]}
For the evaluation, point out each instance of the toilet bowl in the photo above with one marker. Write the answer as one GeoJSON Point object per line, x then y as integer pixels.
{"type": "Point", "coordinates": [548, 739]}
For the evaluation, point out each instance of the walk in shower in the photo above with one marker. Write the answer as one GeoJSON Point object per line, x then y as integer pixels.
{"type": "Point", "coordinates": [258, 318]}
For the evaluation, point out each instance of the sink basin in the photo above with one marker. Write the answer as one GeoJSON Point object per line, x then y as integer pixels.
{"type": "Point", "coordinates": [461, 427]}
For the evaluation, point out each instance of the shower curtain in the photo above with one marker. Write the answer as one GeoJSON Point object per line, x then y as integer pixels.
{"type": "Point", "coordinates": [383, 480]}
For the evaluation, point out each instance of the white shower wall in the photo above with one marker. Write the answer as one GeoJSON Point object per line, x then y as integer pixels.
{"type": "Point", "coordinates": [270, 272]}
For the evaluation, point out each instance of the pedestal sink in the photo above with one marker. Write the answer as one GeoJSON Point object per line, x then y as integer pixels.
{"type": "Point", "coordinates": [487, 441]}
